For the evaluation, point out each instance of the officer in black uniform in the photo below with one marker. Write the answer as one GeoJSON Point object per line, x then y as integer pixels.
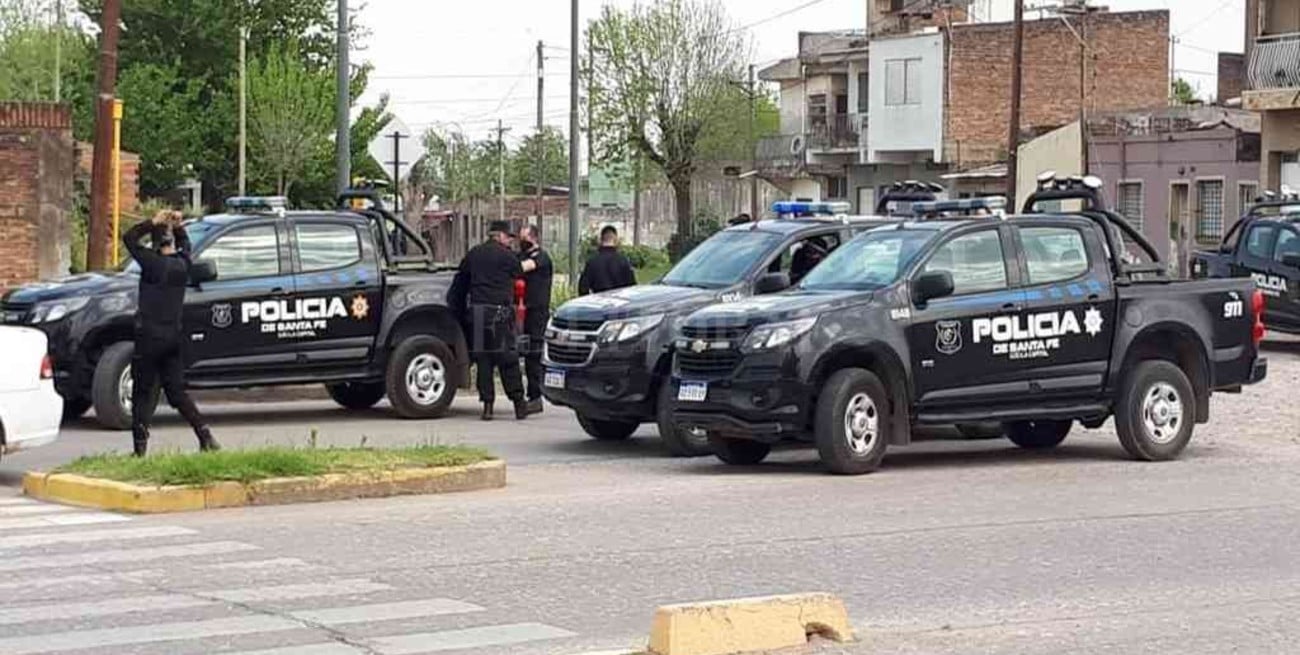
{"type": "Point", "coordinates": [608, 268]}
{"type": "Point", "coordinates": [164, 275]}
{"type": "Point", "coordinates": [538, 272]}
{"type": "Point", "coordinates": [487, 280]}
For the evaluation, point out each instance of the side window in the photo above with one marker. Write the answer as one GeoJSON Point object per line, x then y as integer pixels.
{"type": "Point", "coordinates": [1053, 254]}
{"type": "Point", "coordinates": [245, 252]}
{"type": "Point", "coordinates": [975, 261]}
{"type": "Point", "coordinates": [1259, 242]}
{"type": "Point", "coordinates": [323, 246]}
{"type": "Point", "coordinates": [805, 255]}
{"type": "Point", "coordinates": [1288, 243]}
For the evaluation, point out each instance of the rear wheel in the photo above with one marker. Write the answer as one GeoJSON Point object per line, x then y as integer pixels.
{"type": "Point", "coordinates": [356, 395]}
{"type": "Point", "coordinates": [1038, 435]}
{"type": "Point", "coordinates": [607, 430]}
{"type": "Point", "coordinates": [738, 452]}
{"type": "Point", "coordinates": [1156, 411]}
{"type": "Point", "coordinates": [421, 380]}
{"type": "Point", "coordinates": [113, 385]}
{"type": "Point", "coordinates": [852, 422]}
{"type": "Point", "coordinates": [681, 442]}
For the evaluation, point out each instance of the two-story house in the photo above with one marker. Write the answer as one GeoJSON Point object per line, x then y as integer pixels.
{"type": "Point", "coordinates": [1273, 87]}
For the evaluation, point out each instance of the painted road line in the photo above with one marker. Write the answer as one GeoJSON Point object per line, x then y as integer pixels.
{"type": "Point", "coordinates": [312, 649]}
{"type": "Point", "coordinates": [16, 500]}
{"type": "Point", "coordinates": [386, 611]}
{"type": "Point", "coordinates": [126, 577]}
{"type": "Point", "coordinates": [253, 565]}
{"type": "Point", "coordinates": [60, 520]}
{"type": "Point", "coordinates": [492, 635]}
{"type": "Point", "coordinates": [296, 591]}
{"type": "Point", "coordinates": [90, 536]}
{"type": "Point", "coordinates": [121, 556]}
{"type": "Point", "coordinates": [54, 642]}
{"type": "Point", "coordinates": [72, 611]}
{"type": "Point", "coordinates": [38, 508]}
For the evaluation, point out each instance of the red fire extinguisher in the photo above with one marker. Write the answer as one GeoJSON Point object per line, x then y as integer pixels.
{"type": "Point", "coordinates": [520, 309]}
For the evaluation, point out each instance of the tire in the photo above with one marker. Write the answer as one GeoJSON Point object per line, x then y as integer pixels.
{"type": "Point", "coordinates": [680, 442]}
{"type": "Point", "coordinates": [111, 401]}
{"type": "Point", "coordinates": [607, 430]}
{"type": "Point", "coordinates": [1038, 435]}
{"type": "Point", "coordinates": [422, 377]}
{"type": "Point", "coordinates": [739, 452]}
{"type": "Point", "coordinates": [851, 427]}
{"type": "Point", "coordinates": [75, 408]}
{"type": "Point", "coordinates": [1156, 411]}
{"type": "Point", "coordinates": [357, 395]}
{"type": "Point", "coordinates": [975, 431]}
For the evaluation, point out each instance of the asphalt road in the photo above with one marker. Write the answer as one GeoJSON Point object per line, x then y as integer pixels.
{"type": "Point", "coordinates": [953, 547]}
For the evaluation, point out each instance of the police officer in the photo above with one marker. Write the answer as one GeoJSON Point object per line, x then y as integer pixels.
{"type": "Point", "coordinates": [487, 279]}
{"type": "Point", "coordinates": [538, 272]}
{"type": "Point", "coordinates": [608, 269]}
{"type": "Point", "coordinates": [164, 275]}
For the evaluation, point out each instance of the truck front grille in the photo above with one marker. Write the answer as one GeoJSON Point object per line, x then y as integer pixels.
{"type": "Point", "coordinates": [715, 333]}
{"type": "Point", "coordinates": [576, 325]}
{"type": "Point", "coordinates": [14, 313]}
{"type": "Point", "coordinates": [710, 363]}
{"type": "Point", "coordinates": [572, 354]}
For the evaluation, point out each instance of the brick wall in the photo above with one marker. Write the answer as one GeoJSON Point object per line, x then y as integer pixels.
{"type": "Point", "coordinates": [1232, 76]}
{"type": "Point", "coordinates": [129, 185]}
{"type": "Point", "coordinates": [36, 169]}
{"type": "Point", "coordinates": [1128, 68]}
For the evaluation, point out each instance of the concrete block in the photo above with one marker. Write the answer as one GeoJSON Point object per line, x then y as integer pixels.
{"type": "Point", "coordinates": [748, 624]}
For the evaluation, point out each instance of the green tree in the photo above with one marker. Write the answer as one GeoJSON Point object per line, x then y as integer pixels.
{"type": "Point", "coordinates": [552, 148]}
{"type": "Point", "coordinates": [29, 58]}
{"type": "Point", "coordinates": [290, 115]}
{"type": "Point", "coordinates": [1183, 92]}
{"type": "Point", "coordinates": [657, 78]}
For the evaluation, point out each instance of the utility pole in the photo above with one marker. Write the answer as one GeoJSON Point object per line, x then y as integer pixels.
{"type": "Point", "coordinates": [541, 141]}
{"type": "Point", "coordinates": [342, 117]}
{"type": "Point", "coordinates": [1013, 127]}
{"type": "Point", "coordinates": [58, 50]}
{"type": "Point", "coordinates": [243, 110]}
{"type": "Point", "coordinates": [101, 178]}
{"type": "Point", "coordinates": [501, 171]}
{"type": "Point", "coordinates": [753, 146]}
{"type": "Point", "coordinates": [573, 143]}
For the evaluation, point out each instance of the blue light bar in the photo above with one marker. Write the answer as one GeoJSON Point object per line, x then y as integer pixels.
{"type": "Point", "coordinates": [992, 204]}
{"type": "Point", "coordinates": [256, 203]}
{"type": "Point", "coordinates": [799, 208]}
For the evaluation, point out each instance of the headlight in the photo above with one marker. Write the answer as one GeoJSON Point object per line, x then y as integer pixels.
{"type": "Point", "coordinates": [54, 310]}
{"type": "Point", "coordinates": [629, 328]}
{"type": "Point", "coordinates": [774, 335]}
{"type": "Point", "coordinates": [116, 302]}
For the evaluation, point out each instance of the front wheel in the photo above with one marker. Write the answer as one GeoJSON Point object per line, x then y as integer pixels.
{"type": "Point", "coordinates": [681, 442]}
{"type": "Point", "coordinates": [607, 430]}
{"type": "Point", "coordinates": [1038, 435]}
{"type": "Point", "coordinates": [738, 452]}
{"type": "Point", "coordinates": [1155, 412]}
{"type": "Point", "coordinates": [421, 380]}
{"type": "Point", "coordinates": [852, 422]}
{"type": "Point", "coordinates": [113, 385]}
{"type": "Point", "coordinates": [356, 395]}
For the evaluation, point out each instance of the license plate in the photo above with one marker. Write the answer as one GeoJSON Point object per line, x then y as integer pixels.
{"type": "Point", "coordinates": [554, 379]}
{"type": "Point", "coordinates": [693, 392]}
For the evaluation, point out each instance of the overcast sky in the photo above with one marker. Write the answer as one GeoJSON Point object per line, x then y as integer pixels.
{"type": "Point", "coordinates": [472, 61]}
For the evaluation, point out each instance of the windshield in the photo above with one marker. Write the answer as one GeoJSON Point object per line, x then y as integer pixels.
{"type": "Point", "coordinates": [871, 261]}
{"type": "Point", "coordinates": [723, 259]}
{"type": "Point", "coordinates": [198, 232]}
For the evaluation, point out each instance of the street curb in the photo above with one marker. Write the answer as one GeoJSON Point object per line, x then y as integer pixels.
{"type": "Point", "coordinates": [748, 624]}
{"type": "Point", "coordinates": [69, 489]}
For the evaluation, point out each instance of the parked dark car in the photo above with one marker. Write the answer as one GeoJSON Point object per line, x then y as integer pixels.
{"type": "Point", "coordinates": [1264, 246]}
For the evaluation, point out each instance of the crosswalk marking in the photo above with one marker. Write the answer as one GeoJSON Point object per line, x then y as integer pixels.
{"type": "Point", "coordinates": [60, 520]}
{"type": "Point", "coordinates": [253, 565]}
{"type": "Point", "coordinates": [296, 591]}
{"type": "Point", "coordinates": [119, 556]}
{"type": "Point", "coordinates": [495, 635]}
{"type": "Point", "coordinates": [88, 536]}
{"type": "Point", "coordinates": [71, 611]}
{"type": "Point", "coordinates": [144, 634]}
{"type": "Point", "coordinates": [125, 577]}
{"type": "Point", "coordinates": [313, 649]}
{"type": "Point", "coordinates": [386, 611]}
{"type": "Point", "coordinates": [39, 508]}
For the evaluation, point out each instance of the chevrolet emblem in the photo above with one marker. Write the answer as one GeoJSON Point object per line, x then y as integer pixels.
{"type": "Point", "coordinates": [699, 345]}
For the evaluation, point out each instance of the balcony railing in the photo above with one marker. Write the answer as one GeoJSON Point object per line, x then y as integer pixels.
{"type": "Point", "coordinates": [834, 132]}
{"type": "Point", "coordinates": [780, 155]}
{"type": "Point", "coordinates": [1275, 62]}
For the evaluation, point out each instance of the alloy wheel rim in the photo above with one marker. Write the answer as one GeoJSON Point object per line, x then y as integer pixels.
{"type": "Point", "coordinates": [426, 379]}
{"type": "Point", "coordinates": [126, 390]}
{"type": "Point", "coordinates": [1162, 413]}
{"type": "Point", "coordinates": [861, 424]}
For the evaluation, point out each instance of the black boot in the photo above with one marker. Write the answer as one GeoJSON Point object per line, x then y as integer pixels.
{"type": "Point", "coordinates": [521, 409]}
{"type": "Point", "coordinates": [207, 443]}
{"type": "Point", "coordinates": [535, 406]}
{"type": "Point", "coordinates": [487, 412]}
{"type": "Point", "coordinates": [140, 441]}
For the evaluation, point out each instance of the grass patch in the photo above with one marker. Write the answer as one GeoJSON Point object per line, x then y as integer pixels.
{"type": "Point", "coordinates": [262, 464]}
{"type": "Point", "coordinates": [651, 273]}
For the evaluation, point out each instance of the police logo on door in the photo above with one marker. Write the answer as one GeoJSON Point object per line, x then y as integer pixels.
{"type": "Point", "coordinates": [222, 316]}
{"type": "Point", "coordinates": [948, 339]}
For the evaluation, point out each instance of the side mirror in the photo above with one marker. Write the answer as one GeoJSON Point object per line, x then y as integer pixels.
{"type": "Point", "coordinates": [1225, 248]}
{"type": "Point", "coordinates": [1291, 259]}
{"type": "Point", "coordinates": [202, 271]}
{"type": "Point", "coordinates": [772, 283]}
{"type": "Point", "coordinates": [931, 285]}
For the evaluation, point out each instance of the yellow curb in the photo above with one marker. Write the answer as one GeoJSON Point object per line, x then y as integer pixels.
{"type": "Point", "coordinates": [81, 491]}
{"type": "Point", "coordinates": [748, 624]}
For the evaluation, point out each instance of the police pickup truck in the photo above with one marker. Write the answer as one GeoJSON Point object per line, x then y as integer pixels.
{"type": "Point", "coordinates": [281, 297]}
{"type": "Point", "coordinates": [607, 355]}
{"type": "Point", "coordinates": [1029, 320]}
{"type": "Point", "coordinates": [1264, 246]}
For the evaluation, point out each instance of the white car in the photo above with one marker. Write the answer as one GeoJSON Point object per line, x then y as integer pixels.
{"type": "Point", "coordinates": [30, 408]}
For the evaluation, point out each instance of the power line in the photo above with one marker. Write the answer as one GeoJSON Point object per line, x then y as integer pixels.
{"type": "Point", "coordinates": [1206, 18]}
{"type": "Point", "coordinates": [464, 76]}
{"type": "Point", "coordinates": [456, 101]}
{"type": "Point", "coordinates": [773, 17]}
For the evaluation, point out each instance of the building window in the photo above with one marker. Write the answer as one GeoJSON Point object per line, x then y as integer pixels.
{"type": "Point", "coordinates": [1130, 203]}
{"type": "Point", "coordinates": [837, 187]}
{"type": "Point", "coordinates": [903, 82]}
{"type": "Point", "coordinates": [863, 97]}
{"type": "Point", "coordinates": [1209, 210]}
{"type": "Point", "coordinates": [1246, 194]}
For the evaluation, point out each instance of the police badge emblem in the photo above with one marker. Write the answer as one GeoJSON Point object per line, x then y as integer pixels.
{"type": "Point", "coordinates": [948, 339]}
{"type": "Point", "coordinates": [222, 316]}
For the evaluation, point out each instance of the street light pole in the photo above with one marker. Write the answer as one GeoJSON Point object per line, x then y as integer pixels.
{"type": "Point", "coordinates": [342, 118]}
{"type": "Point", "coordinates": [753, 146]}
{"type": "Point", "coordinates": [573, 143]}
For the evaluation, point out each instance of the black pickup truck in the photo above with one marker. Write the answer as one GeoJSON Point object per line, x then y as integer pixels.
{"type": "Point", "coordinates": [298, 297]}
{"type": "Point", "coordinates": [607, 355]}
{"type": "Point", "coordinates": [957, 319]}
{"type": "Point", "coordinates": [1264, 246]}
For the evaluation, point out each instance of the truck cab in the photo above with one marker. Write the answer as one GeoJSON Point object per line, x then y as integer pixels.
{"type": "Point", "coordinates": [1264, 246]}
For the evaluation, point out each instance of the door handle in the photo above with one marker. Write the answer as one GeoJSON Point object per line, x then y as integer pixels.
{"type": "Point", "coordinates": [1011, 305]}
{"type": "Point", "coordinates": [279, 291]}
{"type": "Point", "coordinates": [360, 283]}
{"type": "Point", "coordinates": [1092, 297]}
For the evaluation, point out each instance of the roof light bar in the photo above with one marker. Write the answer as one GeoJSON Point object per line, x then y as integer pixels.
{"type": "Point", "coordinates": [991, 204]}
{"type": "Point", "coordinates": [801, 208]}
{"type": "Point", "coordinates": [257, 203]}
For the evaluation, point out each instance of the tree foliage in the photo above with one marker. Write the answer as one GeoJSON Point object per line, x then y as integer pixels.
{"type": "Point", "coordinates": [1183, 92]}
{"type": "Point", "coordinates": [551, 148]}
{"type": "Point", "coordinates": [290, 115]}
{"type": "Point", "coordinates": [659, 82]}
{"type": "Point", "coordinates": [29, 32]}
